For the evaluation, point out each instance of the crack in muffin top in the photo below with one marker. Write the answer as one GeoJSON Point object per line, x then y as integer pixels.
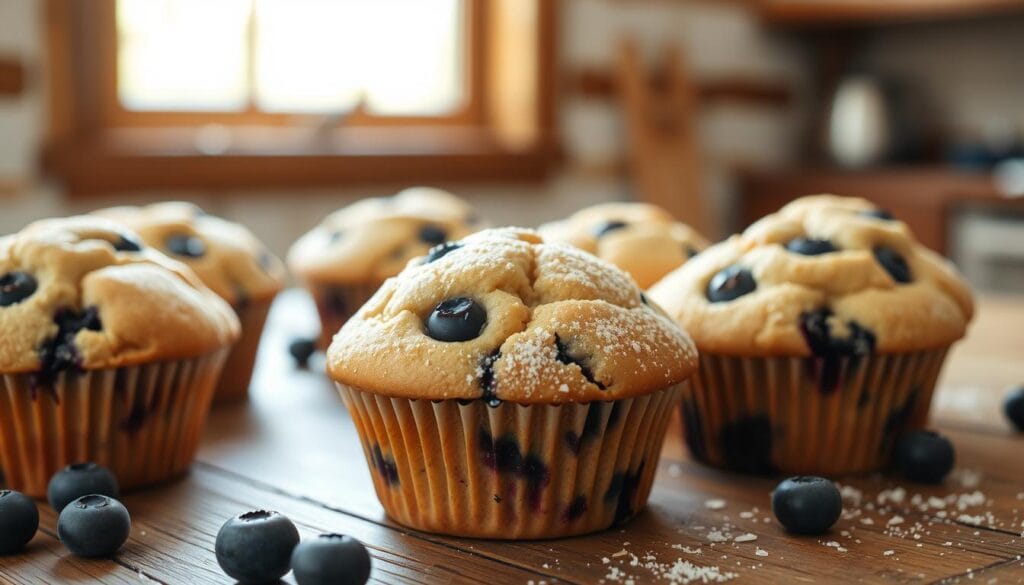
{"type": "Point", "coordinates": [535, 322]}
{"type": "Point", "coordinates": [225, 255]}
{"type": "Point", "coordinates": [90, 294]}
{"type": "Point", "coordinates": [374, 238]}
{"type": "Point", "coordinates": [642, 239]}
{"type": "Point", "coordinates": [837, 265]}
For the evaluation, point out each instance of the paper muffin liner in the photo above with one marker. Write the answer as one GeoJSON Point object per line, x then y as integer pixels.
{"type": "Point", "coordinates": [511, 471]}
{"type": "Point", "coordinates": [234, 382]}
{"type": "Point", "coordinates": [143, 422]}
{"type": "Point", "coordinates": [335, 303]}
{"type": "Point", "coordinates": [806, 415]}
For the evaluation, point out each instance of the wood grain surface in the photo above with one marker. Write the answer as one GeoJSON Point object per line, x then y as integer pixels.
{"type": "Point", "coordinates": [293, 448]}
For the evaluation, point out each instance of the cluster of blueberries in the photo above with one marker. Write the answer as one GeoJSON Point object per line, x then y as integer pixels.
{"type": "Point", "coordinates": [255, 547]}
{"type": "Point", "coordinates": [92, 523]}
{"type": "Point", "coordinates": [262, 546]}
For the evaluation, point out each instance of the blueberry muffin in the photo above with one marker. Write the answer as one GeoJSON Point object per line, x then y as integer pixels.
{"type": "Point", "coordinates": [822, 329]}
{"type": "Point", "coordinates": [346, 258]}
{"type": "Point", "coordinates": [110, 353]}
{"type": "Point", "coordinates": [642, 239]}
{"type": "Point", "coordinates": [229, 259]}
{"type": "Point", "coordinates": [508, 388]}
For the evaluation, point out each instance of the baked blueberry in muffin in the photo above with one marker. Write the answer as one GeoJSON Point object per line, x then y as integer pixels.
{"type": "Point", "coordinates": [824, 319]}
{"type": "Point", "coordinates": [642, 239]}
{"type": "Point", "coordinates": [511, 388]}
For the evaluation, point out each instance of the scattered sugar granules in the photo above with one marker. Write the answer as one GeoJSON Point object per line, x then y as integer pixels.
{"type": "Point", "coordinates": [715, 504]}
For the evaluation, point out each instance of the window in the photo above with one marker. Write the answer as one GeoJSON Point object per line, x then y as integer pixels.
{"type": "Point", "coordinates": [293, 56]}
{"type": "Point", "coordinates": [151, 94]}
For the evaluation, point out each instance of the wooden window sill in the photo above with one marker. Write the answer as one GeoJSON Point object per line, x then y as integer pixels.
{"type": "Point", "coordinates": [264, 157]}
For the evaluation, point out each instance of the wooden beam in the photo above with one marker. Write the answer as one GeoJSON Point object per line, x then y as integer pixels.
{"type": "Point", "coordinates": [600, 83]}
{"type": "Point", "coordinates": [815, 13]}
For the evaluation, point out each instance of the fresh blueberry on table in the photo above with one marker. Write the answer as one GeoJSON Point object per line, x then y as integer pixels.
{"type": "Point", "coordinates": [810, 246]}
{"type": "Point", "coordinates": [256, 547]}
{"type": "Point", "coordinates": [331, 559]}
{"type": "Point", "coordinates": [456, 319]}
{"type": "Point", "coordinates": [924, 456]}
{"type": "Point", "coordinates": [19, 520]}
{"type": "Point", "coordinates": [807, 504]}
{"type": "Point", "coordinates": [94, 526]}
{"type": "Point", "coordinates": [607, 227]}
{"type": "Point", "coordinates": [186, 246]}
{"type": "Point", "coordinates": [77, 480]}
{"type": "Point", "coordinates": [302, 349]}
{"type": "Point", "coordinates": [1013, 406]}
{"type": "Point", "coordinates": [16, 287]}
{"type": "Point", "coordinates": [730, 283]}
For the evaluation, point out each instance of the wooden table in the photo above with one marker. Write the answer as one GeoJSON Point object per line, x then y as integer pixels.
{"type": "Point", "coordinates": [293, 448]}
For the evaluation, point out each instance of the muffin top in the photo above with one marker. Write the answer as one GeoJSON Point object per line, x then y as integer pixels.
{"type": "Point", "coordinates": [642, 239]}
{"type": "Point", "coordinates": [375, 238]}
{"type": "Point", "coordinates": [825, 275]}
{"type": "Point", "coordinates": [225, 255]}
{"type": "Point", "coordinates": [501, 315]}
{"type": "Point", "coordinates": [85, 293]}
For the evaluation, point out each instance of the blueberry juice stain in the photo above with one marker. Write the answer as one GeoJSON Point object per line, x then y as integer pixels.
{"type": "Point", "coordinates": [59, 353]}
{"type": "Point", "coordinates": [504, 456]}
{"type": "Point", "coordinates": [832, 351]}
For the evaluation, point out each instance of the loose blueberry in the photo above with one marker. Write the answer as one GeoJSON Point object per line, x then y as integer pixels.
{"type": "Point", "coordinates": [186, 246]}
{"type": "Point", "coordinates": [432, 234]}
{"type": "Point", "coordinates": [256, 547]}
{"type": "Point", "coordinates": [438, 252]}
{"type": "Point", "coordinates": [806, 504]}
{"type": "Point", "coordinates": [924, 456]}
{"type": "Point", "coordinates": [607, 227]}
{"type": "Point", "coordinates": [730, 284]}
{"type": "Point", "coordinates": [128, 243]}
{"type": "Point", "coordinates": [331, 559]}
{"type": "Point", "coordinates": [456, 319]}
{"type": "Point", "coordinates": [77, 480]}
{"type": "Point", "coordinates": [878, 214]}
{"type": "Point", "coordinates": [302, 349]}
{"type": "Point", "coordinates": [893, 263]}
{"type": "Point", "coordinates": [810, 246]}
{"type": "Point", "coordinates": [16, 287]}
{"type": "Point", "coordinates": [94, 526]}
{"type": "Point", "coordinates": [1013, 406]}
{"type": "Point", "coordinates": [19, 520]}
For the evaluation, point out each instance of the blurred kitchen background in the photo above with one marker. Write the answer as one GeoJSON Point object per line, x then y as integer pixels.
{"type": "Point", "coordinates": [275, 112]}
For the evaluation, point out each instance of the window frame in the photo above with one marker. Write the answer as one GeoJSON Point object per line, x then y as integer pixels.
{"type": "Point", "coordinates": [94, 145]}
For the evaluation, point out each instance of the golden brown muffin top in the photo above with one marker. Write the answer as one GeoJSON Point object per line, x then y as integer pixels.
{"type": "Point", "coordinates": [225, 255]}
{"type": "Point", "coordinates": [642, 239]}
{"type": "Point", "coordinates": [501, 315]}
{"type": "Point", "coordinates": [86, 293]}
{"type": "Point", "coordinates": [825, 275]}
{"type": "Point", "coordinates": [373, 239]}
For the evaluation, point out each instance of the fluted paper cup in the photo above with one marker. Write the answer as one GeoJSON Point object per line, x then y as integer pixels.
{"type": "Point", "coordinates": [234, 382]}
{"type": "Point", "coordinates": [143, 422]}
{"type": "Point", "coordinates": [806, 415]}
{"type": "Point", "coordinates": [511, 471]}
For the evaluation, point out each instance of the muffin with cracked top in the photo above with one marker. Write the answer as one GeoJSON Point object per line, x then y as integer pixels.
{"type": "Point", "coordinates": [822, 329]}
{"type": "Point", "coordinates": [229, 260]}
{"type": "Point", "coordinates": [348, 256]}
{"type": "Point", "coordinates": [504, 387]}
{"type": "Point", "coordinates": [640, 238]}
{"type": "Point", "coordinates": [110, 353]}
